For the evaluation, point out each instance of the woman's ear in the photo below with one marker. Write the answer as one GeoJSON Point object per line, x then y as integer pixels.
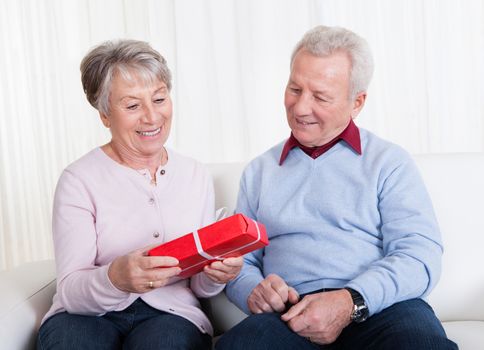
{"type": "Point", "coordinates": [358, 104]}
{"type": "Point", "coordinates": [105, 120]}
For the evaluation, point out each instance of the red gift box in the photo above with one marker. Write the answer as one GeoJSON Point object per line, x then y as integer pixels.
{"type": "Point", "coordinates": [233, 236]}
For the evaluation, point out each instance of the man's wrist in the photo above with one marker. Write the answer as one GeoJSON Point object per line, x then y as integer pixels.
{"type": "Point", "coordinates": [360, 310]}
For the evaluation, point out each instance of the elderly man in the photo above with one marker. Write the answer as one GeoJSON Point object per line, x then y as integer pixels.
{"type": "Point", "coordinates": [354, 243]}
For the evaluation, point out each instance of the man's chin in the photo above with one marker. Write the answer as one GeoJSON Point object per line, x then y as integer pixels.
{"type": "Point", "coordinates": [304, 139]}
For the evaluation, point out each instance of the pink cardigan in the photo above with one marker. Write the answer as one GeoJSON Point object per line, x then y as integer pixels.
{"type": "Point", "coordinates": [103, 210]}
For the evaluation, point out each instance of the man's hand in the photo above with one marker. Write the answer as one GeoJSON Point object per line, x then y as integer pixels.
{"type": "Point", "coordinates": [136, 272]}
{"type": "Point", "coordinates": [321, 317]}
{"type": "Point", "coordinates": [271, 295]}
{"type": "Point", "coordinates": [225, 270]}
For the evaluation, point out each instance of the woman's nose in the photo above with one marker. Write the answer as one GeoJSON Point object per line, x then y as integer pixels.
{"type": "Point", "coordinates": [150, 116]}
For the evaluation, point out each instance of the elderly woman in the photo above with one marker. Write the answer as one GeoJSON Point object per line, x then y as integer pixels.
{"type": "Point", "coordinates": [119, 200]}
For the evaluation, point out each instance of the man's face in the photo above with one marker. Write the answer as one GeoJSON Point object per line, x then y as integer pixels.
{"type": "Point", "coordinates": [317, 100]}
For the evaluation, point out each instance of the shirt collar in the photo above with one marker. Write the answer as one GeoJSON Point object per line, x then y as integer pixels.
{"type": "Point", "coordinates": [351, 135]}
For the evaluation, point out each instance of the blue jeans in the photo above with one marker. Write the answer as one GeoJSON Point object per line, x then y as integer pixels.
{"type": "Point", "coordinates": [137, 327]}
{"type": "Point", "coordinates": [408, 325]}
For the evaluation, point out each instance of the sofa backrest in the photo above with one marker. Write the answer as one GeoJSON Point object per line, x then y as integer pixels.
{"type": "Point", "coordinates": [455, 183]}
{"type": "Point", "coordinates": [226, 178]}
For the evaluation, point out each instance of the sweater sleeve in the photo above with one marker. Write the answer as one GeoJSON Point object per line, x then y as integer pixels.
{"type": "Point", "coordinates": [412, 247]}
{"type": "Point", "coordinates": [239, 289]}
{"type": "Point", "coordinates": [201, 285]}
{"type": "Point", "coordinates": [82, 286]}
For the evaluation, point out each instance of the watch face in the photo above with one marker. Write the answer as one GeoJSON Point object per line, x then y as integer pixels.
{"type": "Point", "coordinates": [360, 313]}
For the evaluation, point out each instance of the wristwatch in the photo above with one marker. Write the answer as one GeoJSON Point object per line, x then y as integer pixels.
{"type": "Point", "coordinates": [360, 311]}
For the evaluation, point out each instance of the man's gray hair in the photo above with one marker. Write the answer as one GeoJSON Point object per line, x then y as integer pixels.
{"type": "Point", "coordinates": [125, 57]}
{"type": "Point", "coordinates": [324, 41]}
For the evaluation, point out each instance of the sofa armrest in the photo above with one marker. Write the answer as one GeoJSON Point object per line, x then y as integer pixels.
{"type": "Point", "coordinates": [25, 296]}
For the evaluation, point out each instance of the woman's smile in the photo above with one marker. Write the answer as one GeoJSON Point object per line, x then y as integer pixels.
{"type": "Point", "coordinates": [150, 133]}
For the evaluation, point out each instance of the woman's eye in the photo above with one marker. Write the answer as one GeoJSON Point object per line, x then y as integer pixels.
{"type": "Point", "coordinates": [132, 107]}
{"type": "Point", "coordinates": [295, 90]}
{"type": "Point", "coordinates": [159, 100]}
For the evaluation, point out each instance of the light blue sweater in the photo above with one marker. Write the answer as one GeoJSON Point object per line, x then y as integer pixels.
{"type": "Point", "coordinates": [342, 219]}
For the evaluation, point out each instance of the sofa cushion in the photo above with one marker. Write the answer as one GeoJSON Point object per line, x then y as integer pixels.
{"type": "Point", "coordinates": [466, 333]}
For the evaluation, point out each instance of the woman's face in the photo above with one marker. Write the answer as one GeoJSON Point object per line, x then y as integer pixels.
{"type": "Point", "coordinates": [139, 116]}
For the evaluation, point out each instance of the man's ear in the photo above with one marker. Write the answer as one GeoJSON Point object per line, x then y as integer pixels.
{"type": "Point", "coordinates": [358, 104]}
{"type": "Point", "coordinates": [105, 120]}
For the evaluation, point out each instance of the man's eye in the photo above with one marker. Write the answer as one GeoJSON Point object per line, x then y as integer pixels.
{"type": "Point", "coordinates": [321, 99]}
{"type": "Point", "coordinates": [159, 100]}
{"type": "Point", "coordinates": [132, 107]}
{"type": "Point", "coordinates": [295, 90]}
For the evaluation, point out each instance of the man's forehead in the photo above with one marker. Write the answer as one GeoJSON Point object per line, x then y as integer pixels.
{"type": "Point", "coordinates": [319, 69]}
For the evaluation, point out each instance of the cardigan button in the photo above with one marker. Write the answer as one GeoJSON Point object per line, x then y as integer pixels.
{"type": "Point", "coordinates": [156, 234]}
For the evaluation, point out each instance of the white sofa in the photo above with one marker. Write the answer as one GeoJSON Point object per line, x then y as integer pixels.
{"type": "Point", "coordinates": [456, 187]}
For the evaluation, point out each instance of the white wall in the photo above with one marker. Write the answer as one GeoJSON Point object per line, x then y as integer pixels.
{"type": "Point", "coordinates": [230, 62]}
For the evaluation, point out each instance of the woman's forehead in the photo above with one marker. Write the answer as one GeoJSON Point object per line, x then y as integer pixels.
{"type": "Point", "coordinates": [136, 75]}
{"type": "Point", "coordinates": [135, 86]}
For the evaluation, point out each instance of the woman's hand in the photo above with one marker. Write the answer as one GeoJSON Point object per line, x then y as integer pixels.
{"type": "Point", "coordinates": [225, 270]}
{"type": "Point", "coordinates": [137, 272]}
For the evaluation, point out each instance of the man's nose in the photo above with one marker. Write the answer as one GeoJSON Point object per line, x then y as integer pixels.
{"type": "Point", "coordinates": [303, 105]}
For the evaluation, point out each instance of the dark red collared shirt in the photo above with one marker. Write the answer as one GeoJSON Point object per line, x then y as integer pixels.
{"type": "Point", "coordinates": [351, 135]}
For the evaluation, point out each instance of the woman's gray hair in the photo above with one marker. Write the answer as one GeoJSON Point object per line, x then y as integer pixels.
{"type": "Point", "coordinates": [324, 41]}
{"type": "Point", "coordinates": [125, 57]}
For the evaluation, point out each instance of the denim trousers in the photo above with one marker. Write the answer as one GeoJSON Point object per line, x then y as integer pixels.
{"type": "Point", "coordinates": [408, 325]}
{"type": "Point", "coordinates": [137, 327]}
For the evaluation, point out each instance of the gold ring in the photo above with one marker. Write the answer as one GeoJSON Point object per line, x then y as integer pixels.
{"type": "Point", "coordinates": [150, 284]}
